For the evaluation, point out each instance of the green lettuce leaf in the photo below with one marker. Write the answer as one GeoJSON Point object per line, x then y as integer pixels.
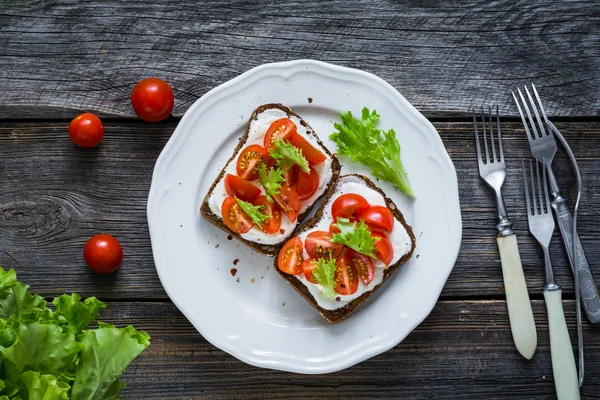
{"type": "Point", "coordinates": [39, 347]}
{"type": "Point", "coordinates": [44, 387]}
{"type": "Point", "coordinates": [288, 155]}
{"type": "Point", "coordinates": [106, 354]}
{"type": "Point", "coordinates": [15, 298]}
{"type": "Point", "coordinates": [357, 236]}
{"type": "Point", "coordinates": [362, 142]}
{"type": "Point", "coordinates": [75, 314]}
{"type": "Point", "coordinates": [271, 180]}
{"type": "Point", "coordinates": [253, 212]}
{"type": "Point", "coordinates": [324, 273]}
{"type": "Point", "coordinates": [113, 391]}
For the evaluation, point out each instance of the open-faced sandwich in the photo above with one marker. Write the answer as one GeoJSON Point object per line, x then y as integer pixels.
{"type": "Point", "coordinates": [277, 172]}
{"type": "Point", "coordinates": [354, 243]}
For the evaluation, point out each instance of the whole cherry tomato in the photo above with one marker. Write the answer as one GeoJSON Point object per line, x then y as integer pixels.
{"type": "Point", "coordinates": [103, 253]}
{"type": "Point", "coordinates": [86, 130]}
{"type": "Point", "coordinates": [152, 99]}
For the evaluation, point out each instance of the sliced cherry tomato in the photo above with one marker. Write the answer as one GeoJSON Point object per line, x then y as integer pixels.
{"type": "Point", "coordinates": [363, 265]}
{"type": "Point", "coordinates": [290, 257]}
{"type": "Point", "coordinates": [249, 160]}
{"type": "Point", "coordinates": [312, 154]}
{"type": "Point", "coordinates": [103, 253]}
{"type": "Point", "coordinates": [241, 188]}
{"type": "Point", "coordinates": [86, 130]}
{"type": "Point", "coordinates": [378, 217]}
{"type": "Point", "coordinates": [235, 218]}
{"type": "Point", "coordinates": [271, 210]}
{"type": "Point", "coordinates": [291, 176]}
{"type": "Point", "coordinates": [307, 183]}
{"type": "Point", "coordinates": [308, 266]}
{"type": "Point", "coordinates": [383, 248]}
{"type": "Point", "coordinates": [281, 129]}
{"type": "Point", "coordinates": [319, 244]}
{"type": "Point", "coordinates": [348, 206]}
{"type": "Point", "coordinates": [289, 202]}
{"type": "Point", "coordinates": [152, 99]}
{"type": "Point", "coordinates": [345, 278]}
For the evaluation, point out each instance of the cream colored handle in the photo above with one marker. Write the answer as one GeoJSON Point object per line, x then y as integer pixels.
{"type": "Point", "coordinates": [520, 314]}
{"type": "Point", "coordinates": [563, 361]}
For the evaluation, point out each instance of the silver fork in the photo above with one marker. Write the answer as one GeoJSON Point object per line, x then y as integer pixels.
{"type": "Point", "coordinates": [541, 226]}
{"type": "Point", "coordinates": [493, 171]}
{"type": "Point", "coordinates": [543, 148]}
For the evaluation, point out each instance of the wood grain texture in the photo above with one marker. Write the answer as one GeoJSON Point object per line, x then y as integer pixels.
{"type": "Point", "coordinates": [463, 350]}
{"type": "Point", "coordinates": [55, 196]}
{"type": "Point", "coordinates": [59, 57]}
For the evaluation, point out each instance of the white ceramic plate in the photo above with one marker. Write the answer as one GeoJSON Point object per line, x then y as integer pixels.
{"type": "Point", "coordinates": [256, 316]}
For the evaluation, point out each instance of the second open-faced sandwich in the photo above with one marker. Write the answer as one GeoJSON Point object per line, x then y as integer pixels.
{"type": "Point", "coordinates": [276, 174]}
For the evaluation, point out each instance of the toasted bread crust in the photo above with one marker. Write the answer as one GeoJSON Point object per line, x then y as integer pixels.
{"type": "Point", "coordinates": [267, 249]}
{"type": "Point", "coordinates": [340, 314]}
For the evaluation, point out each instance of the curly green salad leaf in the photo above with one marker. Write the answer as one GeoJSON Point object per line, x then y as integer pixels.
{"type": "Point", "coordinates": [271, 180]}
{"type": "Point", "coordinates": [50, 354]}
{"type": "Point", "coordinates": [324, 273]}
{"type": "Point", "coordinates": [379, 150]}
{"type": "Point", "coordinates": [288, 155]}
{"type": "Point", "coordinates": [253, 212]}
{"type": "Point", "coordinates": [357, 236]}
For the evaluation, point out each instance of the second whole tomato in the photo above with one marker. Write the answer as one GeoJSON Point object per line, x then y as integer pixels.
{"type": "Point", "coordinates": [103, 253]}
{"type": "Point", "coordinates": [152, 99]}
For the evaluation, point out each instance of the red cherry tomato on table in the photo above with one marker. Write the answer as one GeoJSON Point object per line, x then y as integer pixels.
{"type": "Point", "coordinates": [362, 264]}
{"type": "Point", "coordinates": [241, 188]}
{"type": "Point", "coordinates": [378, 217]}
{"type": "Point", "coordinates": [288, 200]}
{"type": "Point", "coordinates": [319, 244]}
{"type": "Point", "coordinates": [312, 155]}
{"type": "Point", "coordinates": [348, 205]}
{"type": "Point", "coordinates": [383, 248]}
{"type": "Point", "coordinates": [345, 278]}
{"type": "Point", "coordinates": [290, 257]}
{"type": "Point", "coordinates": [86, 130]}
{"type": "Point", "coordinates": [152, 99]}
{"type": "Point", "coordinates": [249, 160]}
{"type": "Point", "coordinates": [103, 253]}
{"type": "Point", "coordinates": [307, 184]}
{"type": "Point", "coordinates": [235, 218]}
{"type": "Point", "coordinates": [271, 210]}
{"type": "Point", "coordinates": [281, 129]}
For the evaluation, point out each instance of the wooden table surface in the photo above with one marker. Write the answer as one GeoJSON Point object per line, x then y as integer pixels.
{"type": "Point", "coordinates": [58, 58]}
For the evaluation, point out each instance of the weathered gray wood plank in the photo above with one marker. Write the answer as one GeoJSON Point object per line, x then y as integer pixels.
{"type": "Point", "coordinates": [55, 196]}
{"type": "Point", "coordinates": [463, 350]}
{"type": "Point", "coordinates": [56, 57]}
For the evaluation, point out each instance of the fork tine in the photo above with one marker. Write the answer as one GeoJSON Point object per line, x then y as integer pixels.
{"type": "Point", "coordinates": [527, 201]}
{"type": "Point", "coordinates": [522, 117]}
{"type": "Point", "coordinates": [485, 142]}
{"type": "Point", "coordinates": [494, 159]}
{"type": "Point", "coordinates": [533, 188]}
{"type": "Point", "coordinates": [499, 135]}
{"type": "Point", "coordinates": [531, 121]}
{"type": "Point", "coordinates": [539, 102]}
{"type": "Point", "coordinates": [546, 189]}
{"type": "Point", "coordinates": [537, 115]}
{"type": "Point", "coordinates": [479, 159]}
{"type": "Point", "coordinates": [540, 192]}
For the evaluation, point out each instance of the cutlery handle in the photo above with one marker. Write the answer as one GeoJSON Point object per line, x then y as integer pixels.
{"type": "Point", "coordinates": [563, 361]}
{"type": "Point", "coordinates": [520, 314]}
{"type": "Point", "coordinates": [590, 298]}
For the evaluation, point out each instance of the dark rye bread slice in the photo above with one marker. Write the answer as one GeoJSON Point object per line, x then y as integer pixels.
{"type": "Point", "coordinates": [269, 250]}
{"type": "Point", "coordinates": [341, 313]}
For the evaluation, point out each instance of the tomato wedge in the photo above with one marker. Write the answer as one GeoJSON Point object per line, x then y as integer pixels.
{"type": "Point", "coordinates": [345, 278]}
{"type": "Point", "coordinates": [383, 248]}
{"type": "Point", "coordinates": [348, 206]}
{"type": "Point", "coordinates": [378, 217]}
{"type": "Point", "coordinates": [319, 244]}
{"type": "Point", "coordinates": [273, 224]}
{"type": "Point", "coordinates": [249, 160]}
{"type": "Point", "coordinates": [308, 266]}
{"type": "Point", "coordinates": [289, 202]}
{"type": "Point", "coordinates": [313, 155]}
{"type": "Point", "coordinates": [281, 129]}
{"type": "Point", "coordinates": [235, 218]}
{"type": "Point", "coordinates": [307, 183]}
{"type": "Point", "coordinates": [291, 176]}
{"type": "Point", "coordinates": [290, 257]}
{"type": "Point", "coordinates": [241, 188]}
{"type": "Point", "coordinates": [363, 265]}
